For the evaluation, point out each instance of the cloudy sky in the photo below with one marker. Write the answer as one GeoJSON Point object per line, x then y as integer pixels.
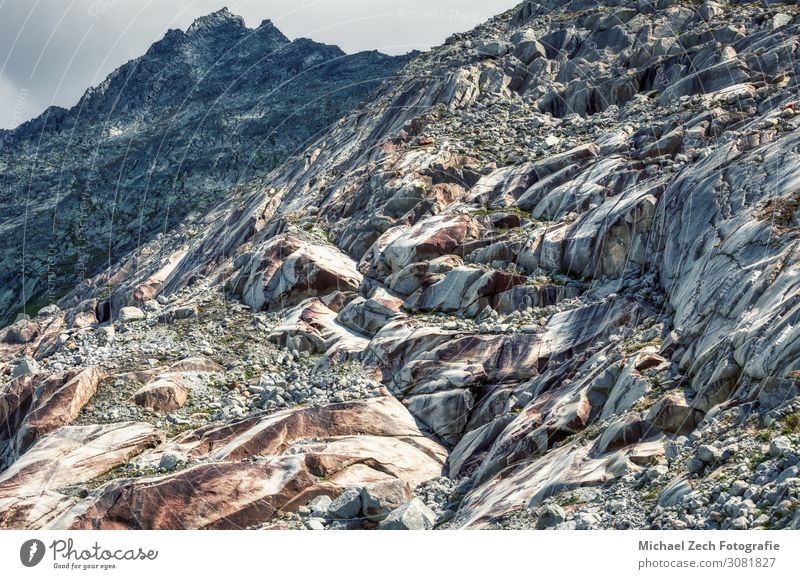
{"type": "Point", "coordinates": [52, 50]}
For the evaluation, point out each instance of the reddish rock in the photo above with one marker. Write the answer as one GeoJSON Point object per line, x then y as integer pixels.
{"type": "Point", "coordinates": [69, 456]}
{"type": "Point", "coordinates": [313, 327]}
{"type": "Point", "coordinates": [36, 338]}
{"type": "Point", "coordinates": [463, 289]}
{"type": "Point", "coordinates": [83, 320]}
{"type": "Point", "coordinates": [167, 389]}
{"type": "Point", "coordinates": [264, 465]}
{"type": "Point", "coordinates": [622, 432]}
{"type": "Point", "coordinates": [213, 496]}
{"type": "Point", "coordinates": [431, 238]}
{"type": "Point", "coordinates": [22, 332]}
{"type": "Point", "coordinates": [31, 407]}
{"type": "Point", "coordinates": [380, 499]}
{"type": "Point", "coordinates": [368, 316]}
{"type": "Point", "coordinates": [273, 434]}
{"type": "Point", "coordinates": [164, 394]}
{"type": "Point", "coordinates": [63, 405]}
{"type": "Point", "coordinates": [150, 287]}
{"type": "Point", "coordinates": [287, 270]}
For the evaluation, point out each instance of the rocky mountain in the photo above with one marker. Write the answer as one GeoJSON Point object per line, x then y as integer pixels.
{"type": "Point", "coordinates": [164, 137]}
{"type": "Point", "coordinates": [548, 278]}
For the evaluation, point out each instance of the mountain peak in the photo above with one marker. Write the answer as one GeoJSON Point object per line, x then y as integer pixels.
{"type": "Point", "coordinates": [218, 19]}
{"type": "Point", "coordinates": [268, 29]}
{"type": "Point", "coordinates": [267, 24]}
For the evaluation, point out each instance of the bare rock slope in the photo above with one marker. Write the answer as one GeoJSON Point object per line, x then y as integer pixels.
{"type": "Point", "coordinates": [161, 141]}
{"type": "Point", "coordinates": [549, 279]}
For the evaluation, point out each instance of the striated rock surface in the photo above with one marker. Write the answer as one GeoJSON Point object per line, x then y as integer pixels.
{"type": "Point", "coordinates": [255, 468]}
{"type": "Point", "coordinates": [546, 278]}
{"type": "Point", "coordinates": [31, 407]}
{"type": "Point", "coordinates": [31, 490]}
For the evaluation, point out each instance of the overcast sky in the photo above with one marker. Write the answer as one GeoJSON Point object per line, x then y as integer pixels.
{"type": "Point", "coordinates": [52, 50]}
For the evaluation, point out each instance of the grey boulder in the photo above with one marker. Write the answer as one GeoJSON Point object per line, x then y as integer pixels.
{"type": "Point", "coordinates": [413, 516]}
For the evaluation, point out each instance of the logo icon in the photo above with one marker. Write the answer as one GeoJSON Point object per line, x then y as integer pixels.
{"type": "Point", "coordinates": [31, 553]}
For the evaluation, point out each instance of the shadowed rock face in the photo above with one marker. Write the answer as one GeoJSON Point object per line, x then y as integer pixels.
{"type": "Point", "coordinates": [165, 136]}
{"type": "Point", "coordinates": [548, 277]}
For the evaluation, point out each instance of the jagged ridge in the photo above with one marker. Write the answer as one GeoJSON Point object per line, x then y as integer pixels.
{"type": "Point", "coordinates": [165, 135]}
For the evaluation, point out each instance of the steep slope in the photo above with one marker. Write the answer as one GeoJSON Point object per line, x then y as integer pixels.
{"type": "Point", "coordinates": [566, 242]}
{"type": "Point", "coordinates": [165, 136]}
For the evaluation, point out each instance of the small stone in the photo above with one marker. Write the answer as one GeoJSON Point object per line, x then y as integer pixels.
{"type": "Point", "coordinates": [381, 499]}
{"type": "Point", "coordinates": [170, 460]}
{"type": "Point", "coordinates": [655, 472]}
{"type": "Point", "coordinates": [315, 524]}
{"type": "Point", "coordinates": [739, 488]}
{"type": "Point", "coordinates": [550, 516]}
{"type": "Point", "coordinates": [551, 141]}
{"type": "Point", "coordinates": [319, 505]}
{"type": "Point", "coordinates": [345, 525]}
{"type": "Point", "coordinates": [695, 465]}
{"type": "Point", "coordinates": [740, 523]}
{"type": "Point", "coordinates": [26, 367]}
{"type": "Point", "coordinates": [780, 20]}
{"type": "Point", "coordinates": [106, 332]}
{"type": "Point", "coordinates": [678, 525]}
{"type": "Point", "coordinates": [710, 10]}
{"type": "Point", "coordinates": [587, 521]}
{"type": "Point", "coordinates": [413, 516]}
{"type": "Point", "coordinates": [709, 454]}
{"type": "Point", "coordinates": [130, 314]}
{"type": "Point", "coordinates": [567, 526]}
{"type": "Point", "coordinates": [733, 506]}
{"type": "Point", "coordinates": [787, 474]}
{"type": "Point", "coordinates": [493, 48]}
{"type": "Point", "coordinates": [774, 496]}
{"type": "Point", "coordinates": [761, 520]}
{"type": "Point", "coordinates": [616, 506]}
{"type": "Point", "coordinates": [785, 506]}
{"type": "Point", "coordinates": [347, 505]}
{"type": "Point", "coordinates": [780, 446]}
{"type": "Point", "coordinates": [185, 312]}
